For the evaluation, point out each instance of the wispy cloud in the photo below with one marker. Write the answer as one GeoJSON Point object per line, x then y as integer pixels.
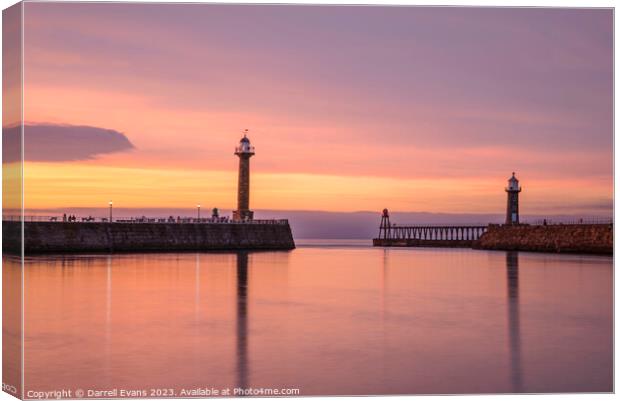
{"type": "Point", "coordinates": [61, 142]}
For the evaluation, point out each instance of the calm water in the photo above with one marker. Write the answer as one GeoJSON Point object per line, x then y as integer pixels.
{"type": "Point", "coordinates": [343, 318]}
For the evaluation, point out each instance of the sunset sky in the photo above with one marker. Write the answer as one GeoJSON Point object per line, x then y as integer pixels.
{"type": "Point", "coordinates": [350, 108]}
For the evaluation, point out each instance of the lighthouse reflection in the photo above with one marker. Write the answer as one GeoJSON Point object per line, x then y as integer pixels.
{"type": "Point", "coordinates": [242, 319]}
{"type": "Point", "coordinates": [514, 329]}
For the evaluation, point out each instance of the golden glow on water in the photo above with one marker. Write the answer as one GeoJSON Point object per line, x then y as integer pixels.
{"type": "Point", "coordinates": [324, 319]}
{"type": "Point", "coordinates": [12, 324]}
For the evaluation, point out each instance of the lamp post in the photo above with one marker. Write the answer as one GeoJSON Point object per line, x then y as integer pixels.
{"type": "Point", "coordinates": [198, 213]}
{"type": "Point", "coordinates": [110, 203]}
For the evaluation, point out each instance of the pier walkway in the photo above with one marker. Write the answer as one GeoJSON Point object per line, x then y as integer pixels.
{"type": "Point", "coordinates": [139, 220]}
{"type": "Point", "coordinates": [426, 235]}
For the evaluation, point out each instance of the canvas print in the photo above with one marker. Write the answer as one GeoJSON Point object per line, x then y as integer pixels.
{"type": "Point", "coordinates": [219, 200]}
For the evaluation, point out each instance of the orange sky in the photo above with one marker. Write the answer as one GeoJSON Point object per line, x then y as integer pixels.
{"type": "Point", "coordinates": [426, 110]}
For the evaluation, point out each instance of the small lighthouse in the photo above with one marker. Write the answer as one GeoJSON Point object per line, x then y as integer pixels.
{"type": "Point", "coordinates": [512, 209]}
{"type": "Point", "coordinates": [244, 151]}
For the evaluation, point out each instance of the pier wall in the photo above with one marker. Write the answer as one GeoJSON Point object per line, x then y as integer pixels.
{"type": "Point", "coordinates": [570, 238]}
{"type": "Point", "coordinates": [57, 237]}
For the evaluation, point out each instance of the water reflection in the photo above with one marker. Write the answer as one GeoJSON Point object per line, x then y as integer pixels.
{"type": "Point", "coordinates": [242, 319]}
{"type": "Point", "coordinates": [328, 320]}
{"type": "Point", "coordinates": [108, 316]}
{"type": "Point", "coordinates": [384, 278]}
{"type": "Point", "coordinates": [197, 290]}
{"type": "Point", "coordinates": [12, 325]}
{"type": "Point", "coordinates": [514, 329]}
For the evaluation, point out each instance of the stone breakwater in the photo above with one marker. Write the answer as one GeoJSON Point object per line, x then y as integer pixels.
{"type": "Point", "coordinates": [56, 237]}
{"type": "Point", "coordinates": [569, 238]}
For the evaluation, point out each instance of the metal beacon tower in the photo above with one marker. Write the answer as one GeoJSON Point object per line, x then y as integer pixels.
{"type": "Point", "coordinates": [244, 151]}
{"type": "Point", "coordinates": [512, 209]}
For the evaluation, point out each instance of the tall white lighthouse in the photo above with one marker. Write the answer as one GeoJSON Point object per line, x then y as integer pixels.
{"type": "Point", "coordinates": [244, 151]}
{"type": "Point", "coordinates": [512, 209]}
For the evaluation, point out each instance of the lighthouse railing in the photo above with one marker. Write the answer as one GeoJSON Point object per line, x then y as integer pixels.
{"type": "Point", "coordinates": [244, 149]}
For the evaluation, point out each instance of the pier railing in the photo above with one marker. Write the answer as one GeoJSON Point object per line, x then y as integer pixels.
{"type": "Point", "coordinates": [432, 232]}
{"type": "Point", "coordinates": [139, 220]}
{"type": "Point", "coordinates": [569, 221]}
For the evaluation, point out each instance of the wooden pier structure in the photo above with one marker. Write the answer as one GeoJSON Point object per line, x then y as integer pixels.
{"type": "Point", "coordinates": [426, 235]}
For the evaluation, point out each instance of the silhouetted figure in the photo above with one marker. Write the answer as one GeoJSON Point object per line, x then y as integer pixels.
{"type": "Point", "coordinates": [64, 217]}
